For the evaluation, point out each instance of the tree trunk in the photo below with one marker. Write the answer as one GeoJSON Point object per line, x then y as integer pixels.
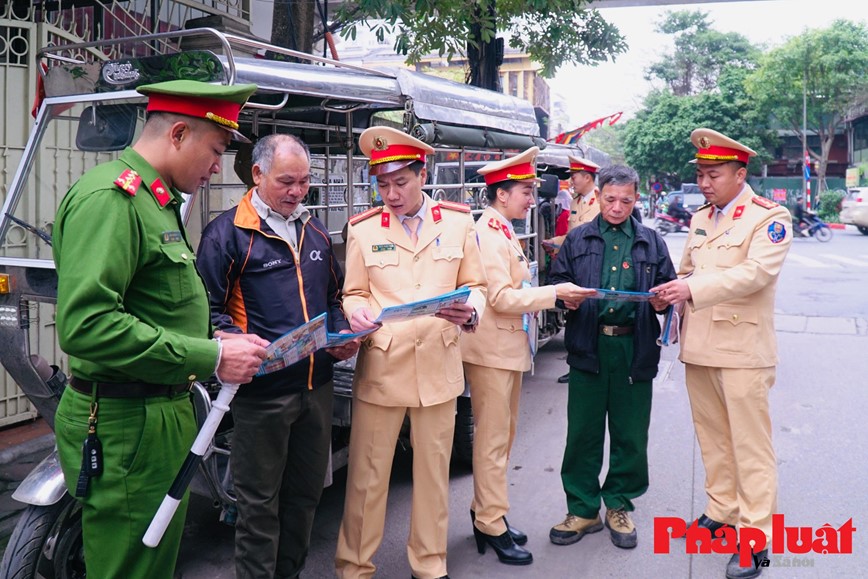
{"type": "Point", "coordinates": [292, 25]}
{"type": "Point", "coordinates": [482, 58]}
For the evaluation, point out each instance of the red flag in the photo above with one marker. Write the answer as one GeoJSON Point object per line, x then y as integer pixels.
{"type": "Point", "coordinates": [570, 137]}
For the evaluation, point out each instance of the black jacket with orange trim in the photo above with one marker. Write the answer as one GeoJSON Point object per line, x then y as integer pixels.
{"type": "Point", "coordinates": [259, 285]}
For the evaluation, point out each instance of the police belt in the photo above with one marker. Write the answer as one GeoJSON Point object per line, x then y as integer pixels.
{"type": "Point", "coordinates": [127, 389]}
{"type": "Point", "coordinates": [616, 330]}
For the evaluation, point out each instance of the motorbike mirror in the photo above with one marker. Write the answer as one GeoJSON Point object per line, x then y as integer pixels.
{"type": "Point", "coordinates": [548, 188]}
{"type": "Point", "coordinates": [106, 128]}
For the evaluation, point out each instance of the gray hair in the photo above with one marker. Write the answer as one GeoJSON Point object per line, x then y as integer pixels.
{"type": "Point", "coordinates": [618, 175]}
{"type": "Point", "coordinates": [263, 150]}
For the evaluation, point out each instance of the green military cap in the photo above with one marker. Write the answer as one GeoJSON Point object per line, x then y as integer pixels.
{"type": "Point", "coordinates": [216, 102]}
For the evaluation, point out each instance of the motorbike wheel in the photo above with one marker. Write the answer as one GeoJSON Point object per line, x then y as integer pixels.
{"type": "Point", "coordinates": [823, 234]}
{"type": "Point", "coordinates": [46, 543]}
{"type": "Point", "coordinates": [862, 230]}
{"type": "Point", "coordinates": [462, 444]}
{"type": "Point", "coordinates": [662, 228]}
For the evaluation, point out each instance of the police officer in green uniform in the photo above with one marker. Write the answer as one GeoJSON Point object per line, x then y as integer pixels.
{"type": "Point", "coordinates": [613, 356]}
{"type": "Point", "coordinates": [133, 316]}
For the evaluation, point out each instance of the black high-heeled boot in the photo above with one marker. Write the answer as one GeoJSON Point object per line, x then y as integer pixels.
{"type": "Point", "coordinates": [505, 548]}
{"type": "Point", "coordinates": [518, 536]}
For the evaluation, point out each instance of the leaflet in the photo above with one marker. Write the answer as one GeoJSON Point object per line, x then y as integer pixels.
{"type": "Point", "coordinates": [295, 345]}
{"type": "Point", "coordinates": [622, 296]}
{"type": "Point", "coordinates": [335, 340]}
{"type": "Point", "coordinates": [424, 307]}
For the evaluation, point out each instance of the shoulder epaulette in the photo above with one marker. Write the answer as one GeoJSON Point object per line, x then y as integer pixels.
{"type": "Point", "coordinates": [129, 182]}
{"type": "Point", "coordinates": [365, 214]}
{"type": "Point", "coordinates": [701, 207]}
{"type": "Point", "coordinates": [763, 202]}
{"type": "Point", "coordinates": [455, 206]}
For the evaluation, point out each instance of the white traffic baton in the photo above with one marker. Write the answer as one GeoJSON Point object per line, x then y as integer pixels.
{"type": "Point", "coordinates": [176, 492]}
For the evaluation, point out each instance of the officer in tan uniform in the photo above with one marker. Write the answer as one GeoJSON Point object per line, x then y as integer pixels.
{"type": "Point", "coordinates": [733, 255]}
{"type": "Point", "coordinates": [411, 249]}
{"type": "Point", "coordinates": [497, 354]}
{"type": "Point", "coordinates": [583, 208]}
{"type": "Point", "coordinates": [583, 190]}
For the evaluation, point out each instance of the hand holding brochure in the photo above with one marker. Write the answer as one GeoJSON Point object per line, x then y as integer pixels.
{"type": "Point", "coordinates": [295, 345]}
{"type": "Point", "coordinates": [424, 307]}
{"type": "Point", "coordinates": [621, 296]}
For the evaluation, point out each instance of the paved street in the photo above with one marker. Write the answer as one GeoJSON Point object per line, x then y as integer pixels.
{"type": "Point", "coordinates": [819, 407]}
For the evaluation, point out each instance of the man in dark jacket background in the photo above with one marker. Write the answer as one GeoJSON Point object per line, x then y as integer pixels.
{"type": "Point", "coordinates": [269, 267]}
{"type": "Point", "coordinates": [613, 356]}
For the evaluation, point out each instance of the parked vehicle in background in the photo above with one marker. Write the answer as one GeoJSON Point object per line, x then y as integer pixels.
{"type": "Point", "coordinates": [854, 209]}
{"type": "Point", "coordinates": [691, 198]}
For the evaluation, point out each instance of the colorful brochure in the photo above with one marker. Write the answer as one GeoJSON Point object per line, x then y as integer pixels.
{"type": "Point", "coordinates": [621, 296]}
{"type": "Point", "coordinates": [295, 345]}
{"type": "Point", "coordinates": [335, 340]}
{"type": "Point", "coordinates": [424, 307]}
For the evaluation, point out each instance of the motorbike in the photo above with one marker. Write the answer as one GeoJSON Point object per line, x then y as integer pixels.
{"type": "Point", "coordinates": [668, 224]}
{"type": "Point", "coordinates": [813, 226]}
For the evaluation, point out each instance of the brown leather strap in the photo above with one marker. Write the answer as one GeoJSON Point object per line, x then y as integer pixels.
{"type": "Point", "coordinates": [616, 330]}
{"type": "Point", "coordinates": [127, 389]}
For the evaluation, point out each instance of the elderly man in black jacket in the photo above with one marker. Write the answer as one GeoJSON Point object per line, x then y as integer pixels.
{"type": "Point", "coordinates": [613, 356]}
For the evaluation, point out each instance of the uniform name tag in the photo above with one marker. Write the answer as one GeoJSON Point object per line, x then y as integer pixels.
{"type": "Point", "coordinates": [172, 236]}
{"type": "Point", "coordinates": [384, 247]}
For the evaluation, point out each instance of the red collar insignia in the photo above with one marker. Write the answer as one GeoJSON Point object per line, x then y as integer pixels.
{"type": "Point", "coordinates": [435, 211]}
{"type": "Point", "coordinates": [738, 211]}
{"type": "Point", "coordinates": [129, 181]}
{"type": "Point", "coordinates": [385, 219]}
{"type": "Point", "coordinates": [591, 202]}
{"type": "Point", "coordinates": [505, 229]}
{"type": "Point", "coordinates": [160, 192]}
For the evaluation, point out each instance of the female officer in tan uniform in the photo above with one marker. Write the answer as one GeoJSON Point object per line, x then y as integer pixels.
{"type": "Point", "coordinates": [497, 354]}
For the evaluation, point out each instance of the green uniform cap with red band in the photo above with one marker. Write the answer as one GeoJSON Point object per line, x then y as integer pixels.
{"type": "Point", "coordinates": [218, 103]}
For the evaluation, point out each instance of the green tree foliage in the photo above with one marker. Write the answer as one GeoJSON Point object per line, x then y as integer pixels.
{"type": "Point", "coordinates": [552, 32]}
{"type": "Point", "coordinates": [829, 67]}
{"type": "Point", "coordinates": [657, 140]}
{"type": "Point", "coordinates": [701, 53]}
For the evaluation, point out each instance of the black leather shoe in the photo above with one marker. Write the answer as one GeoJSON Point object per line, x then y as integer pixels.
{"type": "Point", "coordinates": [444, 577]}
{"type": "Point", "coordinates": [707, 523]}
{"type": "Point", "coordinates": [565, 379]}
{"type": "Point", "coordinates": [507, 551]}
{"type": "Point", "coordinates": [754, 569]}
{"type": "Point", "coordinates": [518, 536]}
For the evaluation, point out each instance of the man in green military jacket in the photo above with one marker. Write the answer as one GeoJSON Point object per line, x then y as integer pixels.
{"type": "Point", "coordinates": [133, 316]}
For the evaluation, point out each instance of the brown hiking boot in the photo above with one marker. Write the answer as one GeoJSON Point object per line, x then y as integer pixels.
{"type": "Point", "coordinates": [621, 528]}
{"type": "Point", "coordinates": [574, 528]}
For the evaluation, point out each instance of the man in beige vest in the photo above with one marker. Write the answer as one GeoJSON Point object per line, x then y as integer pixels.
{"type": "Point", "coordinates": [411, 249]}
{"type": "Point", "coordinates": [733, 255]}
{"type": "Point", "coordinates": [583, 208]}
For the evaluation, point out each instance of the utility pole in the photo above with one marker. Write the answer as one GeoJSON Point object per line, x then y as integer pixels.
{"type": "Point", "coordinates": [806, 159]}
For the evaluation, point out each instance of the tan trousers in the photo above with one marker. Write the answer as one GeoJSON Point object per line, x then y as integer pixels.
{"type": "Point", "coordinates": [495, 394]}
{"type": "Point", "coordinates": [372, 448]}
{"type": "Point", "coordinates": [731, 414]}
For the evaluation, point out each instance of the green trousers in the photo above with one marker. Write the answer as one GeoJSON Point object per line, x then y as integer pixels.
{"type": "Point", "coordinates": [592, 399]}
{"type": "Point", "coordinates": [144, 442]}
